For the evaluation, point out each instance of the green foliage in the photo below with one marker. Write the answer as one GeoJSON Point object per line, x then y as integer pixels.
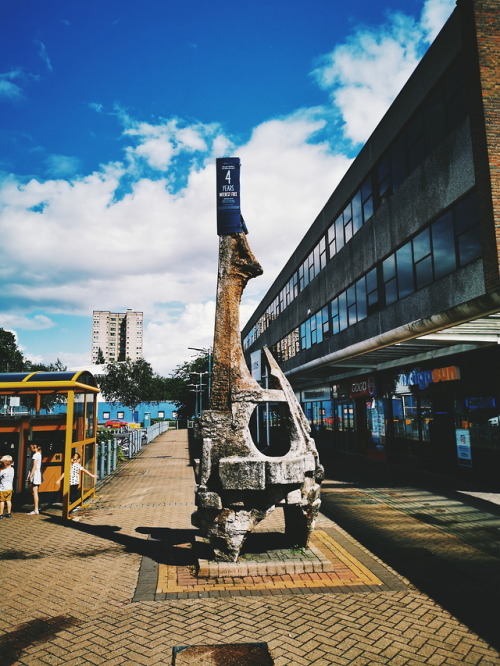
{"type": "Point", "coordinates": [182, 382]}
{"type": "Point", "coordinates": [11, 357]}
{"type": "Point", "coordinates": [131, 382]}
{"type": "Point", "coordinates": [100, 357]}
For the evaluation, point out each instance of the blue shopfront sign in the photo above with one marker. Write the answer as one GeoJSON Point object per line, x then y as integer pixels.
{"type": "Point", "coordinates": [229, 219]}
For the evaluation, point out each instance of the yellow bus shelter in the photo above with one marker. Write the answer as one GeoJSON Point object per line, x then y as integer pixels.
{"type": "Point", "coordinates": [57, 411]}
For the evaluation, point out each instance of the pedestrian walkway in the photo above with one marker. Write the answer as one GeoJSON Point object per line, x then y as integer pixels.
{"type": "Point", "coordinates": [116, 585]}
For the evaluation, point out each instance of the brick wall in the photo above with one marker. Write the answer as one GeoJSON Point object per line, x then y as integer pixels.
{"type": "Point", "coordinates": [483, 45]}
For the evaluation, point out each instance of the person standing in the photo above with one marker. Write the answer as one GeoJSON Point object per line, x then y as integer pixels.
{"type": "Point", "coordinates": [35, 476]}
{"type": "Point", "coordinates": [74, 477]}
{"type": "Point", "coordinates": [6, 485]}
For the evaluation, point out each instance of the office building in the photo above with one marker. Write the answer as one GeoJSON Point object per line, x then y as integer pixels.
{"type": "Point", "coordinates": [118, 335]}
{"type": "Point", "coordinates": [385, 319]}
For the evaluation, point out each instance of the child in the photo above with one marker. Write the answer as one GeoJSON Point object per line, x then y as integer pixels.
{"type": "Point", "coordinates": [6, 485]}
{"type": "Point", "coordinates": [35, 475]}
{"type": "Point", "coordinates": [74, 477]}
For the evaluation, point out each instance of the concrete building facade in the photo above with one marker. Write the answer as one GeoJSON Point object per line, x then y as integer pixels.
{"type": "Point", "coordinates": [119, 335]}
{"type": "Point", "coordinates": [386, 317]}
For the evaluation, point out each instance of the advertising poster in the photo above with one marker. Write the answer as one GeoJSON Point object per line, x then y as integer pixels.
{"type": "Point", "coordinates": [229, 220]}
{"type": "Point", "coordinates": [464, 456]}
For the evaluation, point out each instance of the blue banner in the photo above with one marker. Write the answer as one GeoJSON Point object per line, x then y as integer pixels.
{"type": "Point", "coordinates": [229, 219]}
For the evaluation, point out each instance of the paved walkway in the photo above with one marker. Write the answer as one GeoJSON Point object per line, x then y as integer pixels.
{"type": "Point", "coordinates": [116, 585]}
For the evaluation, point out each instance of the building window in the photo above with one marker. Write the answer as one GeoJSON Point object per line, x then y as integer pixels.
{"type": "Point", "coordinates": [443, 246]}
{"type": "Point", "coordinates": [422, 257]}
{"type": "Point", "coordinates": [389, 279]}
{"type": "Point", "coordinates": [367, 199]}
{"type": "Point", "coordinates": [451, 241]}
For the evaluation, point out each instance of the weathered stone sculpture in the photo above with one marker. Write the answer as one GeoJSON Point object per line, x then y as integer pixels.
{"type": "Point", "coordinates": [238, 486]}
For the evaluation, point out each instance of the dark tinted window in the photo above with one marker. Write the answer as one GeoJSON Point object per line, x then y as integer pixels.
{"type": "Point", "coordinates": [443, 246]}
{"type": "Point", "coordinates": [361, 298]}
{"type": "Point", "coordinates": [405, 270]}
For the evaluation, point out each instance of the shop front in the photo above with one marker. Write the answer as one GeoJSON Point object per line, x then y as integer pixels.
{"type": "Point", "coordinates": [440, 416]}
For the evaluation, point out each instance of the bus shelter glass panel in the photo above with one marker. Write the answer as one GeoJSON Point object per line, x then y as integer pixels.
{"type": "Point", "coordinates": [79, 418]}
{"type": "Point", "coordinates": [90, 414]}
{"type": "Point", "coordinates": [89, 463]}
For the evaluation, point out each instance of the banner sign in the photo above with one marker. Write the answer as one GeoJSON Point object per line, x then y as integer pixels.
{"type": "Point", "coordinates": [255, 364]}
{"type": "Point", "coordinates": [423, 378]}
{"type": "Point", "coordinates": [229, 220]}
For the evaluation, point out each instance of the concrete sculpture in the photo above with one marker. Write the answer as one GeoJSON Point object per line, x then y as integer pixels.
{"type": "Point", "coordinates": [238, 486]}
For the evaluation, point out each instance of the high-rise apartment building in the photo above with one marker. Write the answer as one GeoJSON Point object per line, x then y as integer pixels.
{"type": "Point", "coordinates": [118, 335]}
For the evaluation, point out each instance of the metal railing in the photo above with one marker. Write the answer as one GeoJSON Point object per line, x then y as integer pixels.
{"type": "Point", "coordinates": [125, 443]}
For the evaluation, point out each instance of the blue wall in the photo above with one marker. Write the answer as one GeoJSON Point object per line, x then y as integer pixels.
{"type": "Point", "coordinates": [115, 408]}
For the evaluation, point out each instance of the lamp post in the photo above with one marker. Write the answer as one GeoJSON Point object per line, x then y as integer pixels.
{"type": "Point", "coordinates": [198, 391]}
{"type": "Point", "coordinates": [208, 352]}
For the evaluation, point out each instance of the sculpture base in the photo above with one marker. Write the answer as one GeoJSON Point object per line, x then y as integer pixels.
{"type": "Point", "coordinates": [272, 560]}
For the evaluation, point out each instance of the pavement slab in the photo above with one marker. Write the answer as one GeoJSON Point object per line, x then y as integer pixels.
{"type": "Point", "coordinates": [116, 585]}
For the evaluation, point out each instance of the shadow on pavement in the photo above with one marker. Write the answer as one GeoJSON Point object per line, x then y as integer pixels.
{"type": "Point", "coordinates": [451, 554]}
{"type": "Point", "coordinates": [30, 633]}
{"type": "Point", "coordinates": [165, 545]}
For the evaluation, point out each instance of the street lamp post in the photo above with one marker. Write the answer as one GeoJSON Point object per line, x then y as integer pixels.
{"type": "Point", "coordinates": [209, 354]}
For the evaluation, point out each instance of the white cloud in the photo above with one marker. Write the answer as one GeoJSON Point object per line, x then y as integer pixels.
{"type": "Point", "coordinates": [141, 233]}
{"type": "Point", "coordinates": [35, 323]}
{"type": "Point", "coordinates": [159, 144]}
{"type": "Point", "coordinates": [364, 75]}
{"type": "Point", "coordinates": [434, 15]}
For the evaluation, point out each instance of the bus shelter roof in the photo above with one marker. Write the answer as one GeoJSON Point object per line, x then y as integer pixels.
{"type": "Point", "coordinates": [81, 381]}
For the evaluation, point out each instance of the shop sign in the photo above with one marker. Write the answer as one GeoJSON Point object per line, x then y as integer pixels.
{"type": "Point", "coordinates": [423, 378]}
{"type": "Point", "coordinates": [322, 393]}
{"type": "Point", "coordinates": [363, 387]}
{"type": "Point", "coordinates": [464, 456]}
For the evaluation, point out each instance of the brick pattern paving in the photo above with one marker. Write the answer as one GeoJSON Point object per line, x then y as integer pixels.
{"type": "Point", "coordinates": [67, 589]}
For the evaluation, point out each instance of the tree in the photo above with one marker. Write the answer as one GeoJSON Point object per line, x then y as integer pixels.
{"type": "Point", "coordinates": [130, 383]}
{"type": "Point", "coordinates": [183, 384]}
{"type": "Point", "coordinates": [11, 357]}
{"type": "Point", "coordinates": [100, 357]}
{"type": "Point", "coordinates": [58, 366]}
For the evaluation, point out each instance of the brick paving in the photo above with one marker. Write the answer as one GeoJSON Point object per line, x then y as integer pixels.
{"type": "Point", "coordinates": [99, 589]}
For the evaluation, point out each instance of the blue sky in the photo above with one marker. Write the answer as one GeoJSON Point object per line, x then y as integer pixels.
{"type": "Point", "coordinates": [112, 116]}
